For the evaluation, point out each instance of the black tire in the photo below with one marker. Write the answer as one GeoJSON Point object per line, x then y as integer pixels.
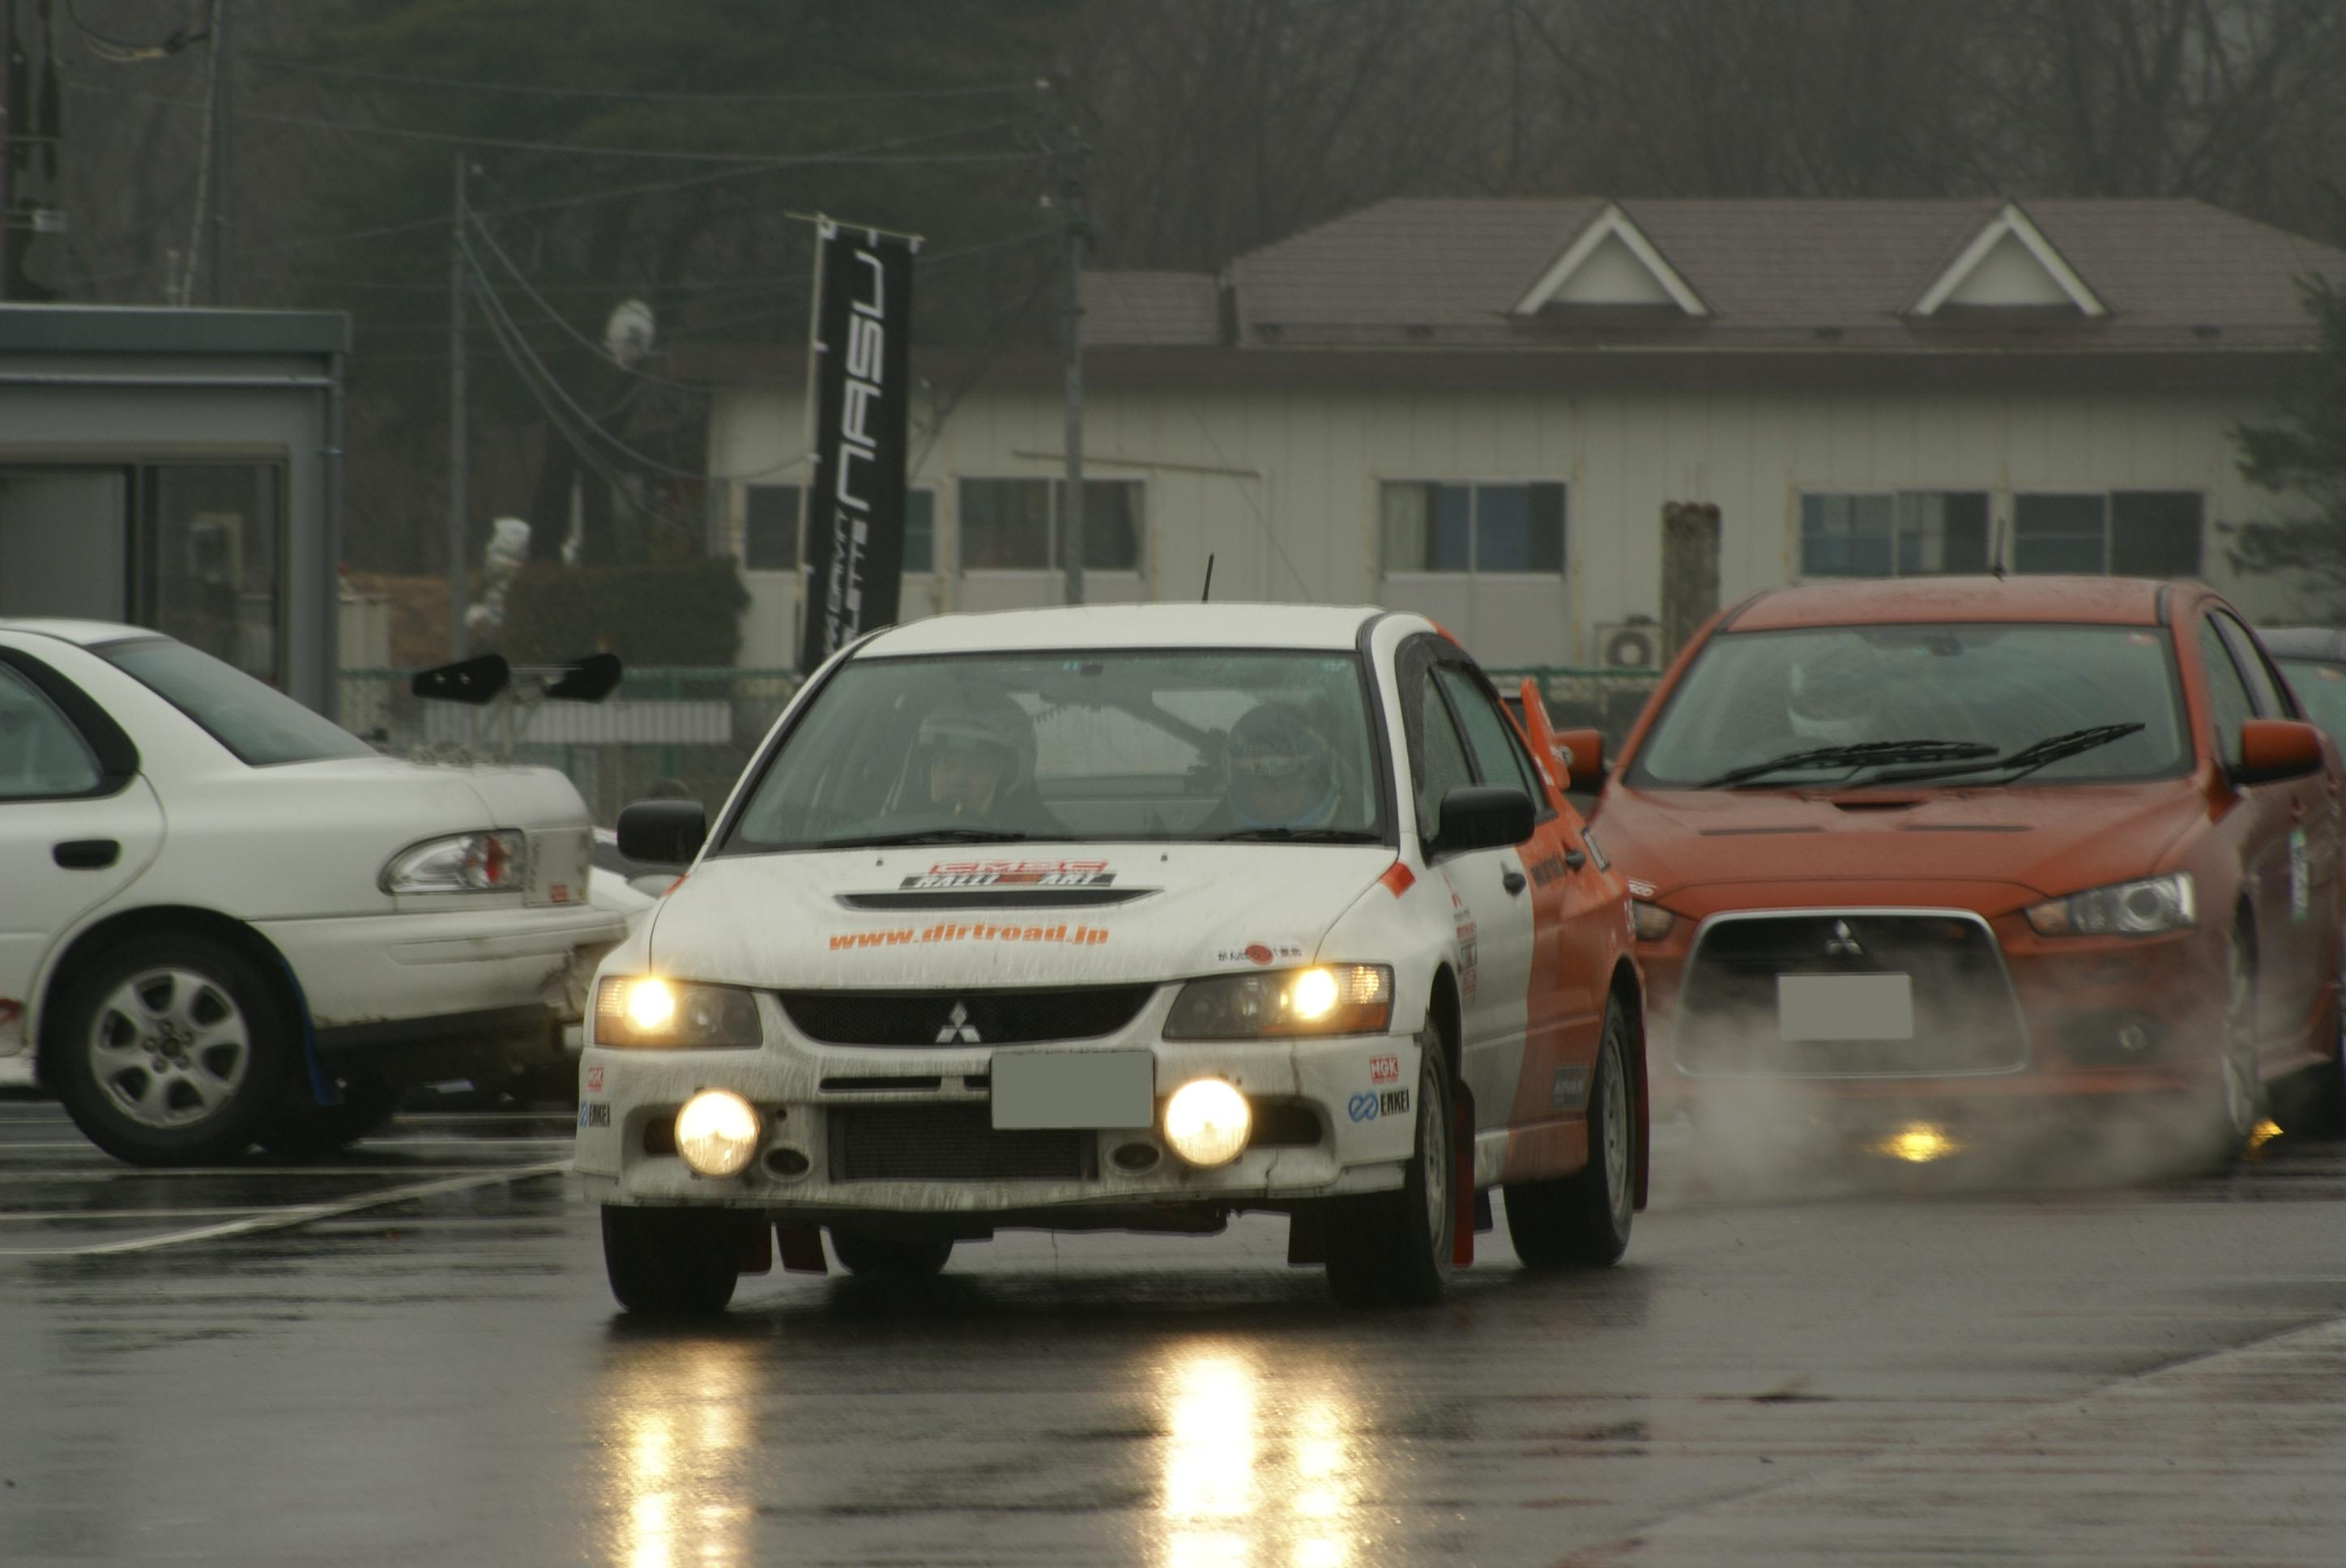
{"type": "Point", "coordinates": [2236, 1099]}
{"type": "Point", "coordinates": [172, 1049]}
{"type": "Point", "coordinates": [304, 1129]}
{"type": "Point", "coordinates": [1392, 1248]}
{"type": "Point", "coordinates": [2325, 1088]}
{"type": "Point", "coordinates": [672, 1262]}
{"type": "Point", "coordinates": [897, 1257]}
{"type": "Point", "coordinates": [1582, 1221]}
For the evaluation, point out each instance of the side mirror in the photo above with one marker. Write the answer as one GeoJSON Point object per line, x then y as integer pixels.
{"type": "Point", "coordinates": [1484, 817]}
{"type": "Point", "coordinates": [2275, 749]}
{"type": "Point", "coordinates": [1585, 759]}
{"type": "Point", "coordinates": [663, 832]}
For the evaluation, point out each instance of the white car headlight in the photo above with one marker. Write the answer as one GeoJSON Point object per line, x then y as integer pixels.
{"type": "Point", "coordinates": [2124, 909]}
{"type": "Point", "coordinates": [1331, 999]}
{"type": "Point", "coordinates": [645, 1010]}
{"type": "Point", "coordinates": [482, 862]}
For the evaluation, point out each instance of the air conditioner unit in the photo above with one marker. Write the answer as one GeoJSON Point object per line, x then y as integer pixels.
{"type": "Point", "coordinates": [1629, 645]}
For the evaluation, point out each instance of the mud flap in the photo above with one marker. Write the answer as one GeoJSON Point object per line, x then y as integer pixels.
{"type": "Point", "coordinates": [1461, 1180]}
{"type": "Point", "coordinates": [324, 1089]}
{"type": "Point", "coordinates": [757, 1250]}
{"type": "Point", "coordinates": [802, 1248]}
{"type": "Point", "coordinates": [1307, 1238]}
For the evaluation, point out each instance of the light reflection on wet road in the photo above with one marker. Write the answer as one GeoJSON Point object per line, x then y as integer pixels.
{"type": "Point", "coordinates": [426, 1369]}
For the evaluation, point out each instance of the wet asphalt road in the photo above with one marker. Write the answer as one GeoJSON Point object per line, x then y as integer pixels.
{"type": "Point", "coordinates": [409, 1356]}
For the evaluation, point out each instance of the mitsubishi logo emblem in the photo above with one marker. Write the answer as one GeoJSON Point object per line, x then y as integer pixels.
{"type": "Point", "coordinates": [1842, 943]}
{"type": "Point", "coordinates": [958, 1029]}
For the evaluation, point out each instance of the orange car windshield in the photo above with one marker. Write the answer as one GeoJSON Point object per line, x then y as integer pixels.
{"type": "Point", "coordinates": [1830, 706]}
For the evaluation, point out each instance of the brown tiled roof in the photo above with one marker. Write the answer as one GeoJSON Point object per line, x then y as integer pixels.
{"type": "Point", "coordinates": [1777, 273]}
{"type": "Point", "coordinates": [1142, 308]}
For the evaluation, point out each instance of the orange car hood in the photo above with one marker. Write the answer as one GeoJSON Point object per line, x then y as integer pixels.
{"type": "Point", "coordinates": [2046, 841]}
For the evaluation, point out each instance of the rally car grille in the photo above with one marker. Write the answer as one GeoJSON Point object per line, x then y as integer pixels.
{"type": "Point", "coordinates": [1966, 1018]}
{"type": "Point", "coordinates": [950, 1143]}
{"type": "Point", "coordinates": [932, 1018]}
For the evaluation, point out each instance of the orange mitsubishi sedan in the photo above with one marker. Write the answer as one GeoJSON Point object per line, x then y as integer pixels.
{"type": "Point", "coordinates": [1961, 847]}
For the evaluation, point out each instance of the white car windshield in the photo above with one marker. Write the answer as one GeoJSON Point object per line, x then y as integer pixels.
{"type": "Point", "coordinates": [1978, 704]}
{"type": "Point", "coordinates": [1123, 744]}
{"type": "Point", "coordinates": [259, 723]}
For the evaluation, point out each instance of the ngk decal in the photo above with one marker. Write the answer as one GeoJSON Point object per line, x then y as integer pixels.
{"type": "Point", "coordinates": [1013, 874]}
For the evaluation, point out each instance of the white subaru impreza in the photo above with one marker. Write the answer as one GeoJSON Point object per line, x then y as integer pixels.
{"type": "Point", "coordinates": [1122, 917]}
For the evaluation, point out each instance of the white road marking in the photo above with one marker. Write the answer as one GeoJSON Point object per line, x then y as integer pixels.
{"type": "Point", "coordinates": [96, 1215]}
{"type": "Point", "coordinates": [301, 1214]}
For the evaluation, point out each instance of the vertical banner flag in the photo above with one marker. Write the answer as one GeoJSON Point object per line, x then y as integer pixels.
{"type": "Point", "coordinates": [862, 383]}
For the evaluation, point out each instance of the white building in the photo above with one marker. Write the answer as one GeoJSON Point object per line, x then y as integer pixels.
{"type": "Point", "coordinates": [1481, 409]}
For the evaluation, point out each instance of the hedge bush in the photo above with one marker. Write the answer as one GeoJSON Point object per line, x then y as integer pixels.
{"type": "Point", "coordinates": [686, 614]}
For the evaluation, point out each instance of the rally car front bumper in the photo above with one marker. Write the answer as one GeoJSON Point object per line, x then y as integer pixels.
{"type": "Point", "coordinates": [870, 1133]}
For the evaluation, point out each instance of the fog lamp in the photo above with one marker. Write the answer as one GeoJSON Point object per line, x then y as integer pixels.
{"type": "Point", "coordinates": [1206, 1122]}
{"type": "Point", "coordinates": [717, 1132]}
{"type": "Point", "coordinates": [1918, 1143]}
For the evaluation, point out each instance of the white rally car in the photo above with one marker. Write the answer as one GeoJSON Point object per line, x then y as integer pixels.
{"type": "Point", "coordinates": [224, 920]}
{"type": "Point", "coordinates": [1121, 918]}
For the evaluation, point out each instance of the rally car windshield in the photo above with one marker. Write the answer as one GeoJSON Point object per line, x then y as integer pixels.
{"type": "Point", "coordinates": [1175, 746]}
{"type": "Point", "coordinates": [1978, 705]}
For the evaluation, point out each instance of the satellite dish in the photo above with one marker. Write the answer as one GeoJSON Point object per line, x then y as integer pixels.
{"type": "Point", "coordinates": [628, 335]}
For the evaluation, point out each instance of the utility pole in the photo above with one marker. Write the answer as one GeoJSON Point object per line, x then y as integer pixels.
{"type": "Point", "coordinates": [223, 84]}
{"type": "Point", "coordinates": [457, 476]}
{"type": "Point", "coordinates": [1073, 154]}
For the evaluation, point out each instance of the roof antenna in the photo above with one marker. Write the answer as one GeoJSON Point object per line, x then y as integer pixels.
{"type": "Point", "coordinates": [1996, 564]}
{"type": "Point", "coordinates": [1209, 580]}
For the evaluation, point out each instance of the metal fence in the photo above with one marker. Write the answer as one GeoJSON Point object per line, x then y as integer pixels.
{"type": "Point", "coordinates": [696, 728]}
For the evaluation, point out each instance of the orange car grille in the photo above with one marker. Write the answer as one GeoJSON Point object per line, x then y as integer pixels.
{"type": "Point", "coordinates": [1965, 1017]}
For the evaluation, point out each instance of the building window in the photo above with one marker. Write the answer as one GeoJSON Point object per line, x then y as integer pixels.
{"type": "Point", "coordinates": [205, 560]}
{"type": "Point", "coordinates": [919, 530]}
{"type": "Point", "coordinates": [1431, 526]}
{"type": "Point", "coordinates": [769, 527]}
{"type": "Point", "coordinates": [1893, 534]}
{"type": "Point", "coordinates": [2128, 532]}
{"type": "Point", "coordinates": [1013, 524]}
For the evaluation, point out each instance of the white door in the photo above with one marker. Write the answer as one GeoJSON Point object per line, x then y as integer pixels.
{"type": "Point", "coordinates": [71, 834]}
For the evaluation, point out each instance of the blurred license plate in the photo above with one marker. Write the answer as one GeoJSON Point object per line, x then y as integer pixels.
{"type": "Point", "coordinates": [1845, 1006]}
{"type": "Point", "coordinates": [1060, 1088]}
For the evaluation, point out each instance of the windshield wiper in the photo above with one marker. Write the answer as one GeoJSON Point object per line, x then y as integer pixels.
{"type": "Point", "coordinates": [2027, 760]}
{"type": "Point", "coordinates": [926, 836]}
{"type": "Point", "coordinates": [1863, 754]}
{"type": "Point", "coordinates": [1298, 836]}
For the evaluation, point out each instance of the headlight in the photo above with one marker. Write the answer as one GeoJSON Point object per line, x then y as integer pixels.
{"type": "Point", "coordinates": [717, 1132]}
{"type": "Point", "coordinates": [484, 862]}
{"type": "Point", "coordinates": [2127, 909]}
{"type": "Point", "coordinates": [1206, 1122]}
{"type": "Point", "coordinates": [1333, 999]}
{"type": "Point", "coordinates": [645, 1010]}
{"type": "Point", "coordinates": [1653, 922]}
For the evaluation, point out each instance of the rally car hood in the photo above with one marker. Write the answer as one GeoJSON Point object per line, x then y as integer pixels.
{"type": "Point", "coordinates": [1071, 914]}
{"type": "Point", "coordinates": [2048, 840]}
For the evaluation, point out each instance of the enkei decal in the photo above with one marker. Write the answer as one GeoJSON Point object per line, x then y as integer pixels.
{"type": "Point", "coordinates": [594, 1080]}
{"type": "Point", "coordinates": [1013, 874]}
{"type": "Point", "coordinates": [903, 936]}
{"type": "Point", "coordinates": [1569, 1088]}
{"type": "Point", "coordinates": [1368, 1107]}
{"type": "Point", "coordinates": [1384, 1069]}
{"type": "Point", "coordinates": [2301, 877]}
{"type": "Point", "coordinates": [1362, 1107]}
{"type": "Point", "coordinates": [595, 1113]}
{"type": "Point", "coordinates": [1259, 953]}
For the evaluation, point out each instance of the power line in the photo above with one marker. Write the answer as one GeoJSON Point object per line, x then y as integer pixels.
{"type": "Point", "coordinates": [588, 149]}
{"type": "Point", "coordinates": [514, 271]}
{"type": "Point", "coordinates": [997, 89]}
{"type": "Point", "coordinates": [122, 51]}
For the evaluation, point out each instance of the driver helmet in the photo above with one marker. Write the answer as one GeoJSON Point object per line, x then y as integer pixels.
{"type": "Point", "coordinates": [1279, 771]}
{"type": "Point", "coordinates": [985, 728]}
{"type": "Point", "coordinates": [1834, 699]}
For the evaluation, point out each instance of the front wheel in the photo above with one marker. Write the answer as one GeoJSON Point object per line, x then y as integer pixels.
{"type": "Point", "coordinates": [2237, 1097]}
{"type": "Point", "coordinates": [1583, 1219]}
{"type": "Point", "coordinates": [1392, 1248]}
{"type": "Point", "coordinates": [672, 1262]}
{"type": "Point", "coordinates": [892, 1258]}
{"type": "Point", "coordinates": [172, 1050]}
